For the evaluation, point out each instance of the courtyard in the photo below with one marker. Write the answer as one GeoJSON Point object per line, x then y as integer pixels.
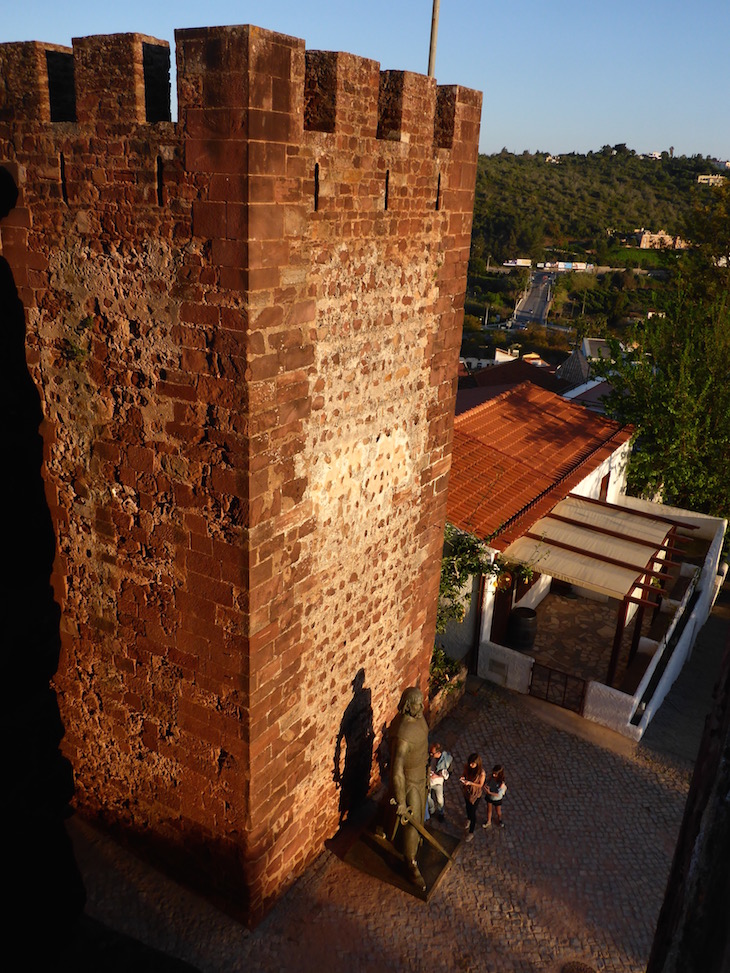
{"type": "Point", "coordinates": [578, 873]}
{"type": "Point", "coordinates": [575, 633]}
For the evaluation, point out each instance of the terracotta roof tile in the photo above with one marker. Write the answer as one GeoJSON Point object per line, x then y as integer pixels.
{"type": "Point", "coordinates": [516, 455]}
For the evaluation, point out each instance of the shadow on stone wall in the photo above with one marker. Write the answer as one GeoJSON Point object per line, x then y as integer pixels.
{"type": "Point", "coordinates": [357, 733]}
{"type": "Point", "coordinates": [41, 880]}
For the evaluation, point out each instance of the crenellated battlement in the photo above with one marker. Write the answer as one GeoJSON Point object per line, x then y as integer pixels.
{"type": "Point", "coordinates": [124, 79]}
{"type": "Point", "coordinates": [116, 78]}
{"type": "Point", "coordinates": [244, 327]}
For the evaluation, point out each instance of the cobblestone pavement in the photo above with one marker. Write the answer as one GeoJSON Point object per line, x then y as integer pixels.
{"type": "Point", "coordinates": [576, 635]}
{"type": "Point", "coordinates": [578, 873]}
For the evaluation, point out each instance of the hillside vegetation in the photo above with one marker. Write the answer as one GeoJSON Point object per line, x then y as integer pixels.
{"type": "Point", "coordinates": [671, 374]}
{"type": "Point", "coordinates": [580, 207]}
{"type": "Point", "coordinates": [527, 206]}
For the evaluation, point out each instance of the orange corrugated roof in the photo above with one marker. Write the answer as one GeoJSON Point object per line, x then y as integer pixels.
{"type": "Point", "coordinates": [517, 455]}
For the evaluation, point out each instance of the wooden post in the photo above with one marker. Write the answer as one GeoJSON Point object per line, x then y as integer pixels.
{"type": "Point", "coordinates": [637, 633]}
{"type": "Point", "coordinates": [620, 625]}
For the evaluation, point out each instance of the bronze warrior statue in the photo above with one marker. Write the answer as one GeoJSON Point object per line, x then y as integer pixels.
{"type": "Point", "coordinates": [408, 776]}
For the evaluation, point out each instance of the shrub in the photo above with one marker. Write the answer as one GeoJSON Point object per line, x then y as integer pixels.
{"type": "Point", "coordinates": [442, 672]}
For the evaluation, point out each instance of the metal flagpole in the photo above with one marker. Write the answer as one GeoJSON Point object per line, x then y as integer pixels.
{"type": "Point", "coordinates": [434, 33]}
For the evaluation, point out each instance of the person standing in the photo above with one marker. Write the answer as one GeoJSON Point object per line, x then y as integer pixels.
{"type": "Point", "coordinates": [472, 782]}
{"type": "Point", "coordinates": [494, 790]}
{"type": "Point", "coordinates": [439, 763]}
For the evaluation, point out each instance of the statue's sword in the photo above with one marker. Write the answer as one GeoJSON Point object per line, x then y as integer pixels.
{"type": "Point", "coordinates": [409, 819]}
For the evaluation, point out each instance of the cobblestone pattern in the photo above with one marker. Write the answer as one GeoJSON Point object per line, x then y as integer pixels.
{"type": "Point", "coordinates": [577, 874]}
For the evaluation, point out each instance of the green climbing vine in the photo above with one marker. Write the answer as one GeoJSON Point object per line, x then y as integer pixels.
{"type": "Point", "coordinates": [443, 672]}
{"type": "Point", "coordinates": [464, 557]}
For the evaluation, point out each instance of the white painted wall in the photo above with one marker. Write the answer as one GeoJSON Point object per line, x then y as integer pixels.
{"type": "Point", "coordinates": [610, 707]}
{"type": "Point", "coordinates": [459, 637]}
{"type": "Point", "coordinates": [536, 593]}
{"type": "Point", "coordinates": [504, 666]}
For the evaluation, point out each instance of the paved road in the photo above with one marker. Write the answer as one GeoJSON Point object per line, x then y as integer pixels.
{"type": "Point", "coordinates": [578, 873]}
{"type": "Point", "coordinates": [534, 305]}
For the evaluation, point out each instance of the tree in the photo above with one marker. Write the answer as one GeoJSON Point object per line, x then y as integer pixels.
{"type": "Point", "coordinates": [674, 383]}
{"type": "Point", "coordinates": [709, 228]}
{"type": "Point", "coordinates": [472, 323]}
{"type": "Point", "coordinates": [674, 387]}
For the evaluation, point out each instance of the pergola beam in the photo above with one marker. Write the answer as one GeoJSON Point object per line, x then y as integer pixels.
{"type": "Point", "coordinates": [582, 525]}
{"type": "Point", "coordinates": [594, 529]}
{"type": "Point", "coordinates": [604, 558]}
{"type": "Point", "coordinates": [649, 587]}
{"type": "Point", "coordinates": [635, 513]}
{"type": "Point", "coordinates": [641, 601]}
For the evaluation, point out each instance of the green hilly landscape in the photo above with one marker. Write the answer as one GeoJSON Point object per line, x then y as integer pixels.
{"type": "Point", "coordinates": [530, 206]}
{"type": "Point", "coordinates": [580, 208]}
{"type": "Point", "coordinates": [669, 307]}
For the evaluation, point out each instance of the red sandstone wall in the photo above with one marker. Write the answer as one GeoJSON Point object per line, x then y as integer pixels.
{"type": "Point", "coordinates": [247, 359]}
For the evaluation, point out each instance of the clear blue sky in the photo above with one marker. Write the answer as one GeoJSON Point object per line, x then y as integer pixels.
{"type": "Point", "coordinates": [557, 75]}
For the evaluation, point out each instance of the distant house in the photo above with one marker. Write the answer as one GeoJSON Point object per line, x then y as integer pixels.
{"type": "Point", "coordinates": [585, 388]}
{"type": "Point", "coordinates": [711, 180]}
{"type": "Point", "coordinates": [575, 370]}
{"type": "Point", "coordinates": [541, 481]}
{"type": "Point", "coordinates": [533, 358]}
{"type": "Point", "coordinates": [502, 355]}
{"type": "Point", "coordinates": [489, 382]}
{"type": "Point", "coordinates": [596, 349]}
{"type": "Point", "coordinates": [591, 394]}
{"type": "Point", "coordinates": [647, 240]}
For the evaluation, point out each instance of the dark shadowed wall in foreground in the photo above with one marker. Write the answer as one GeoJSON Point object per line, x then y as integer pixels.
{"type": "Point", "coordinates": [693, 932]}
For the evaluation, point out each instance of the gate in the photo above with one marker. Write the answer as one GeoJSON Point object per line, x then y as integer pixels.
{"type": "Point", "coordinates": [558, 687]}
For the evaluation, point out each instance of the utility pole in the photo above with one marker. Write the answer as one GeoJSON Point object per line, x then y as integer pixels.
{"type": "Point", "coordinates": [434, 34]}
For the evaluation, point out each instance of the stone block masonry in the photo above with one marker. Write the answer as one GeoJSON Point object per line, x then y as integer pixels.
{"type": "Point", "coordinates": [244, 327]}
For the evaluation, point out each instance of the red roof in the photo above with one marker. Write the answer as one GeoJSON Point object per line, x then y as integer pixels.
{"type": "Point", "coordinates": [518, 371]}
{"type": "Point", "coordinates": [491, 381]}
{"type": "Point", "coordinates": [517, 455]}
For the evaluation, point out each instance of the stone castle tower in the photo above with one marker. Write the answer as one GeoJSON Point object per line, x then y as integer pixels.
{"type": "Point", "coordinates": [244, 328]}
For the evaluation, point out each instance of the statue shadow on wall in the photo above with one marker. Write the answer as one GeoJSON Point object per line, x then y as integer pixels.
{"type": "Point", "coordinates": [357, 733]}
{"type": "Point", "coordinates": [41, 880]}
{"type": "Point", "coordinates": [369, 838]}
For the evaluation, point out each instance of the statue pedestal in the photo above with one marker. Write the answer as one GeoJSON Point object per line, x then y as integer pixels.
{"type": "Point", "coordinates": [364, 850]}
